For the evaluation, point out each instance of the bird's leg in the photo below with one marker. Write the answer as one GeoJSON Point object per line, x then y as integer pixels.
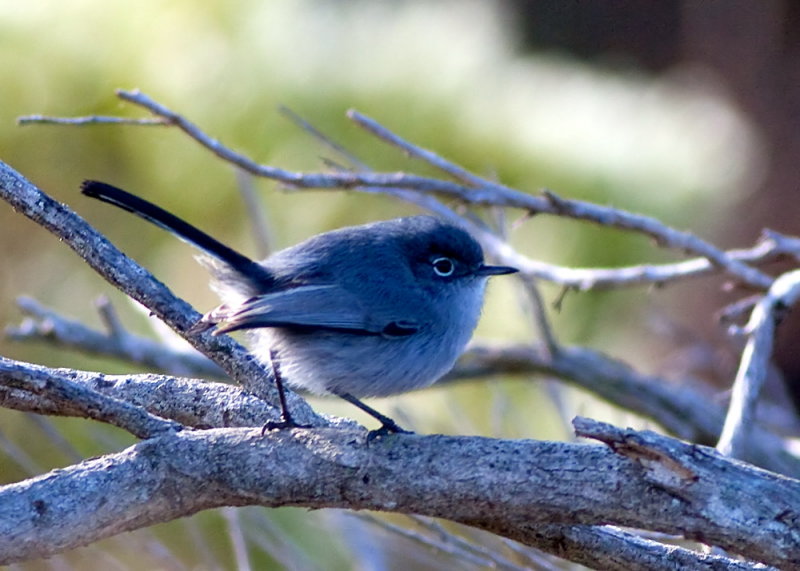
{"type": "Point", "coordinates": [388, 426]}
{"type": "Point", "coordinates": [286, 421]}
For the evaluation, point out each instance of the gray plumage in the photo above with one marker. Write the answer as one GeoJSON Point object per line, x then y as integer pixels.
{"type": "Point", "coordinates": [369, 310]}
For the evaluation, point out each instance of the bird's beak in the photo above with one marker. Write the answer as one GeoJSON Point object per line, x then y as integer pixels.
{"type": "Point", "coordinates": [495, 270]}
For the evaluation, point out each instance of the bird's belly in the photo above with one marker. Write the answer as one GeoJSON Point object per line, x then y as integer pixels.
{"type": "Point", "coordinates": [361, 365]}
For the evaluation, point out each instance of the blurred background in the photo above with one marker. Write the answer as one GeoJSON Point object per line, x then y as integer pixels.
{"type": "Point", "coordinates": [687, 111]}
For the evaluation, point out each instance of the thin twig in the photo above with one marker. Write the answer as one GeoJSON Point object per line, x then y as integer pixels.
{"type": "Point", "coordinates": [443, 545]}
{"type": "Point", "coordinates": [756, 358]}
{"type": "Point", "coordinates": [236, 537]}
{"type": "Point", "coordinates": [254, 207]}
{"type": "Point", "coordinates": [107, 313]}
{"type": "Point", "coordinates": [90, 120]}
{"type": "Point", "coordinates": [446, 536]}
{"type": "Point", "coordinates": [45, 324]}
{"type": "Point", "coordinates": [584, 279]}
{"type": "Point", "coordinates": [415, 151]}
{"type": "Point", "coordinates": [488, 193]}
{"type": "Point", "coordinates": [324, 139]}
{"type": "Point", "coordinates": [543, 327]}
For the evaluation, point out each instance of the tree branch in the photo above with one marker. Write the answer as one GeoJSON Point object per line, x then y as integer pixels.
{"type": "Point", "coordinates": [197, 404]}
{"type": "Point", "coordinates": [770, 247]}
{"type": "Point", "coordinates": [508, 486]}
{"type": "Point", "coordinates": [47, 325]}
{"type": "Point", "coordinates": [479, 191]}
{"type": "Point", "coordinates": [685, 409]}
{"type": "Point", "coordinates": [63, 393]}
{"type": "Point", "coordinates": [756, 358]}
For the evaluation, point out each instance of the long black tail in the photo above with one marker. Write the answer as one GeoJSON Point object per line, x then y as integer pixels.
{"type": "Point", "coordinates": [174, 225]}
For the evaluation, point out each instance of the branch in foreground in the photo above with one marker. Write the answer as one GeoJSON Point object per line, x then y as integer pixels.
{"type": "Point", "coordinates": [63, 393]}
{"type": "Point", "coordinates": [197, 404]}
{"type": "Point", "coordinates": [511, 487]}
{"type": "Point", "coordinates": [216, 405]}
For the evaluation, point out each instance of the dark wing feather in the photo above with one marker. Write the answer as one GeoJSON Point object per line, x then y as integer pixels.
{"type": "Point", "coordinates": [317, 307]}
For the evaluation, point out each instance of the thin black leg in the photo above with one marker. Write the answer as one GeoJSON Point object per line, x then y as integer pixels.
{"type": "Point", "coordinates": [286, 420]}
{"type": "Point", "coordinates": [388, 426]}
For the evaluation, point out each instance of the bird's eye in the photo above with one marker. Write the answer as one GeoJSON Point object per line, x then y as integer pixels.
{"type": "Point", "coordinates": [443, 267]}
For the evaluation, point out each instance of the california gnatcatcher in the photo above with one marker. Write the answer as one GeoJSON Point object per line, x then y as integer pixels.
{"type": "Point", "coordinates": [364, 311]}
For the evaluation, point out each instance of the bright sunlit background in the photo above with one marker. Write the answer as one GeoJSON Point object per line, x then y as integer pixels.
{"type": "Point", "coordinates": [450, 76]}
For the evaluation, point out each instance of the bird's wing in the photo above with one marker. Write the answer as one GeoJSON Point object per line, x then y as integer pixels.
{"type": "Point", "coordinates": [317, 307]}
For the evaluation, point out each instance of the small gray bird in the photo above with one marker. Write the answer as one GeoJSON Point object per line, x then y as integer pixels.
{"type": "Point", "coordinates": [363, 311]}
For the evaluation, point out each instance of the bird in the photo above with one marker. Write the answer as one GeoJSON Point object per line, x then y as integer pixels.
{"type": "Point", "coordinates": [363, 311]}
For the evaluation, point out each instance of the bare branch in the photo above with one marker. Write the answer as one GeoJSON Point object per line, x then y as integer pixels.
{"type": "Point", "coordinates": [582, 210]}
{"type": "Point", "coordinates": [255, 212]}
{"type": "Point", "coordinates": [662, 234]}
{"type": "Point", "coordinates": [193, 403]}
{"type": "Point", "coordinates": [487, 193]}
{"type": "Point", "coordinates": [49, 326]}
{"type": "Point", "coordinates": [684, 409]}
{"type": "Point", "coordinates": [89, 120]}
{"type": "Point", "coordinates": [62, 392]}
{"type": "Point", "coordinates": [755, 361]}
{"type": "Point", "coordinates": [770, 248]}
{"type": "Point", "coordinates": [491, 484]}
{"type": "Point", "coordinates": [190, 402]}
{"type": "Point", "coordinates": [447, 543]}
{"type": "Point", "coordinates": [415, 151]}
{"type": "Point", "coordinates": [324, 139]}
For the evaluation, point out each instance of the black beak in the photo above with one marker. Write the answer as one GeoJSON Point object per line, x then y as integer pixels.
{"type": "Point", "coordinates": [495, 270]}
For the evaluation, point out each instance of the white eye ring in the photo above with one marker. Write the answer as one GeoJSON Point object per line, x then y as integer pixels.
{"type": "Point", "coordinates": [443, 267]}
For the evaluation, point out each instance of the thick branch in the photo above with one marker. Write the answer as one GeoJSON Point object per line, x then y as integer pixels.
{"type": "Point", "coordinates": [509, 486]}
{"type": "Point", "coordinates": [62, 392]}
